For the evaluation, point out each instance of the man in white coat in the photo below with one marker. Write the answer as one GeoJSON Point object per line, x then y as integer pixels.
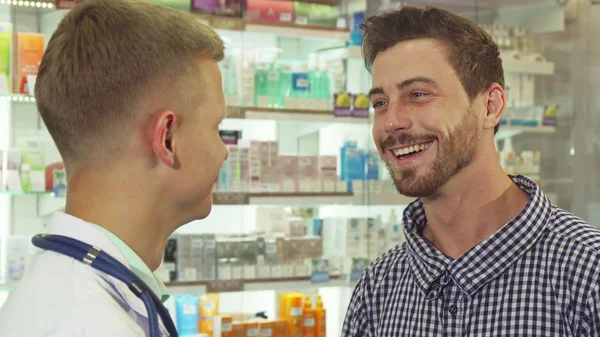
{"type": "Point", "coordinates": [131, 94]}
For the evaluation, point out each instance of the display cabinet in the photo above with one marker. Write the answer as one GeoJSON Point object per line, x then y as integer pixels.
{"type": "Point", "coordinates": [303, 202]}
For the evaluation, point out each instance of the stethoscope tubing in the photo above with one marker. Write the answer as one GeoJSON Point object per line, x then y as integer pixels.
{"type": "Point", "coordinates": [110, 266]}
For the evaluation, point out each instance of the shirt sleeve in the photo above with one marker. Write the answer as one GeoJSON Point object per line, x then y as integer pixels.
{"type": "Point", "coordinates": [590, 322]}
{"type": "Point", "coordinates": [356, 322]}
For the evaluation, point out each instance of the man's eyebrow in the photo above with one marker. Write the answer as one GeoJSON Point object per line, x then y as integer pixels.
{"type": "Point", "coordinates": [376, 91]}
{"type": "Point", "coordinates": [414, 80]}
{"type": "Point", "coordinates": [402, 85]}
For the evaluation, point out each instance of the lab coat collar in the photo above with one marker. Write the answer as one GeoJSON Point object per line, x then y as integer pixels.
{"type": "Point", "coordinates": [73, 227]}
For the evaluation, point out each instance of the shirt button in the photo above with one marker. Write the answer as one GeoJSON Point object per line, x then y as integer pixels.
{"type": "Point", "coordinates": [452, 309]}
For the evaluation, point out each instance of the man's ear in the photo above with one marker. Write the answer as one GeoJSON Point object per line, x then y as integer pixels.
{"type": "Point", "coordinates": [163, 140]}
{"type": "Point", "coordinates": [495, 106]}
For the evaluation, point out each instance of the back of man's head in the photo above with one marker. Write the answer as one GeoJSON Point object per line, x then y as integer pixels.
{"type": "Point", "coordinates": [105, 57]}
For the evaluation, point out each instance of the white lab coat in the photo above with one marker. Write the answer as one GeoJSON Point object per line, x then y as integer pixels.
{"type": "Point", "coordinates": [62, 297]}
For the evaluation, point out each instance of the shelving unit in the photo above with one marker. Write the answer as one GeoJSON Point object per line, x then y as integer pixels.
{"type": "Point", "coordinates": [298, 131]}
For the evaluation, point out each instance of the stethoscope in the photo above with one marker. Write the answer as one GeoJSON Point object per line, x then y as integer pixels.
{"type": "Point", "coordinates": [105, 263]}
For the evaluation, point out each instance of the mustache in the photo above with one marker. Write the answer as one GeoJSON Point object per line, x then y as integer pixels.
{"type": "Point", "coordinates": [405, 139]}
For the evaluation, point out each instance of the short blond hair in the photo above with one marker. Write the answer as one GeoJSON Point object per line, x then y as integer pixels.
{"type": "Point", "coordinates": [103, 58]}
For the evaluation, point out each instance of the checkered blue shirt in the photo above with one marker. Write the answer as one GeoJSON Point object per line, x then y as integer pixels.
{"type": "Point", "coordinates": [537, 276]}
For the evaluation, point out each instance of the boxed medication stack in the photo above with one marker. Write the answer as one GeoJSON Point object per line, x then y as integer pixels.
{"type": "Point", "coordinates": [196, 257]}
{"type": "Point", "coordinates": [288, 173]}
{"type": "Point", "coordinates": [308, 174]}
{"type": "Point", "coordinates": [264, 175]}
{"type": "Point", "coordinates": [234, 174]}
{"type": "Point", "coordinates": [328, 173]}
{"type": "Point", "coordinates": [344, 239]}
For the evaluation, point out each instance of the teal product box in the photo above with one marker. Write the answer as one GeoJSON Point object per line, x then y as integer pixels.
{"type": "Point", "coordinates": [187, 308]}
{"type": "Point", "coordinates": [373, 160]}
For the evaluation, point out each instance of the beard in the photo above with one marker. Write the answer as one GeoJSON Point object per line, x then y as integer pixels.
{"type": "Point", "coordinates": [455, 153]}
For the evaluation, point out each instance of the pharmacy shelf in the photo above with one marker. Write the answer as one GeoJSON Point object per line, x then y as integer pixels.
{"type": "Point", "coordinates": [241, 198]}
{"type": "Point", "coordinates": [48, 203]}
{"type": "Point", "coordinates": [276, 28]}
{"type": "Point", "coordinates": [310, 199]}
{"type": "Point", "coordinates": [300, 115]}
{"type": "Point", "coordinates": [508, 131]}
{"type": "Point", "coordinates": [296, 284]}
{"type": "Point", "coordinates": [525, 66]}
{"type": "Point", "coordinates": [256, 113]}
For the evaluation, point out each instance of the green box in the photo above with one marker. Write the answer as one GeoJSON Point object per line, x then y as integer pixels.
{"type": "Point", "coordinates": [181, 5]}
{"type": "Point", "coordinates": [5, 57]}
{"type": "Point", "coordinates": [316, 14]}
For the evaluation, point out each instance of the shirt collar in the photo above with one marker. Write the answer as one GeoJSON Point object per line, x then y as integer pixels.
{"type": "Point", "coordinates": [487, 260]}
{"type": "Point", "coordinates": [73, 227]}
{"type": "Point", "coordinates": [137, 265]}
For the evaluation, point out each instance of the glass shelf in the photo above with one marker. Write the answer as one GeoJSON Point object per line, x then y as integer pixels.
{"type": "Point", "coordinates": [28, 4]}
{"type": "Point", "coordinates": [20, 98]}
{"type": "Point", "coordinates": [27, 193]}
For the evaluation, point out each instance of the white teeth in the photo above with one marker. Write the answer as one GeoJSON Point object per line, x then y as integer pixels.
{"type": "Point", "coordinates": [411, 149]}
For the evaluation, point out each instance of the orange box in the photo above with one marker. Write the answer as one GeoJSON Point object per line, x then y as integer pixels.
{"type": "Point", "coordinates": [29, 51]}
{"type": "Point", "coordinates": [280, 328]}
{"type": "Point", "coordinates": [266, 329]}
{"type": "Point", "coordinates": [251, 329]}
{"type": "Point", "coordinates": [227, 327]}
{"type": "Point", "coordinates": [238, 329]}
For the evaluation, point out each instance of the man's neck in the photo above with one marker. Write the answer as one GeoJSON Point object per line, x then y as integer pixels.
{"type": "Point", "coordinates": [470, 209]}
{"type": "Point", "coordinates": [134, 217]}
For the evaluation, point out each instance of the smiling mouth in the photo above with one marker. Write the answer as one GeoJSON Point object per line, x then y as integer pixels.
{"type": "Point", "coordinates": [408, 151]}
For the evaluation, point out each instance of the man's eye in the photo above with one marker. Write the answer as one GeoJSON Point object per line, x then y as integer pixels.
{"type": "Point", "coordinates": [419, 95]}
{"type": "Point", "coordinates": [378, 104]}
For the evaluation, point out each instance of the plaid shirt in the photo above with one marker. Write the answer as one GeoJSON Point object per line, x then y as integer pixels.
{"type": "Point", "coordinates": [537, 276]}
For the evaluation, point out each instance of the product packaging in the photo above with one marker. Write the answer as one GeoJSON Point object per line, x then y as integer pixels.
{"type": "Point", "coordinates": [316, 14]}
{"type": "Point", "coordinates": [5, 57]}
{"type": "Point", "coordinates": [550, 115]}
{"type": "Point", "coordinates": [217, 326]}
{"type": "Point", "coordinates": [56, 179]}
{"type": "Point", "coordinates": [2, 186]}
{"type": "Point", "coordinates": [309, 319]}
{"type": "Point", "coordinates": [231, 8]}
{"type": "Point", "coordinates": [230, 137]}
{"type": "Point", "coordinates": [33, 175]}
{"type": "Point", "coordinates": [187, 307]}
{"type": "Point", "coordinates": [29, 49]}
{"type": "Point", "coordinates": [251, 329]}
{"type": "Point", "coordinates": [360, 106]}
{"type": "Point", "coordinates": [342, 104]}
{"type": "Point", "coordinates": [12, 170]}
{"type": "Point", "coordinates": [321, 319]}
{"type": "Point", "coordinates": [67, 4]}
{"type": "Point", "coordinates": [170, 259]}
{"type": "Point", "coordinates": [181, 5]}
{"type": "Point", "coordinates": [270, 10]}
{"type": "Point", "coordinates": [356, 35]}
{"type": "Point", "coordinates": [328, 173]}
{"type": "Point", "coordinates": [308, 174]}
